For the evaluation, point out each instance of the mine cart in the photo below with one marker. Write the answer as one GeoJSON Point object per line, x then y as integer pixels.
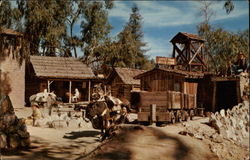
{"type": "Point", "coordinates": [168, 106]}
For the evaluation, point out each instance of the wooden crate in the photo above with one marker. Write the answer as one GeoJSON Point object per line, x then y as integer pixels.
{"type": "Point", "coordinates": [163, 117]}
{"type": "Point", "coordinates": [143, 116]}
{"type": "Point", "coordinates": [158, 98]}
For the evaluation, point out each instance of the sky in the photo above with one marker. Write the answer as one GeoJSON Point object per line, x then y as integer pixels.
{"type": "Point", "coordinates": [162, 20]}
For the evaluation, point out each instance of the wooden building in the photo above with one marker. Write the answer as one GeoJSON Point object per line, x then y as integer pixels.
{"type": "Point", "coordinates": [163, 79]}
{"type": "Point", "coordinates": [216, 92]}
{"type": "Point", "coordinates": [174, 92]}
{"type": "Point", "coordinates": [121, 82]}
{"type": "Point", "coordinates": [12, 69]}
{"type": "Point", "coordinates": [59, 74]}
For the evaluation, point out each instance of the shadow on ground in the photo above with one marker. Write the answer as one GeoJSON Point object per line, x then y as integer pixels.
{"type": "Point", "coordinates": [118, 147]}
{"type": "Point", "coordinates": [44, 150]}
{"type": "Point", "coordinates": [75, 135]}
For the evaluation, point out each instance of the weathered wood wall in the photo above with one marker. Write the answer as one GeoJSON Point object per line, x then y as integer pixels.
{"type": "Point", "coordinates": [120, 89]}
{"type": "Point", "coordinates": [162, 81]}
{"type": "Point", "coordinates": [167, 100]}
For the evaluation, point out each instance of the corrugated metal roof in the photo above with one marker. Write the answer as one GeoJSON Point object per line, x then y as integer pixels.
{"type": "Point", "coordinates": [60, 67]}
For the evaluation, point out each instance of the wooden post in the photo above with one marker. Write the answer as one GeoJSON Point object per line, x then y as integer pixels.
{"type": "Point", "coordinates": [153, 114]}
{"type": "Point", "coordinates": [70, 85]}
{"type": "Point", "coordinates": [48, 86]}
{"type": "Point", "coordinates": [89, 91]}
{"type": "Point", "coordinates": [238, 91]}
{"type": "Point", "coordinates": [105, 89]}
{"type": "Point", "coordinates": [214, 96]}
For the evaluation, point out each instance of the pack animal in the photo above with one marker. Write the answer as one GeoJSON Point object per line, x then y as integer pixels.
{"type": "Point", "coordinates": [98, 113]}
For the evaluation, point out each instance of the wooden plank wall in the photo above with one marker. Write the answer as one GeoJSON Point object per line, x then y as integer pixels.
{"type": "Point", "coordinates": [161, 81]}
{"type": "Point", "coordinates": [168, 99]}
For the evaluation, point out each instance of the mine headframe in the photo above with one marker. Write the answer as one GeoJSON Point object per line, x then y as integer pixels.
{"type": "Point", "coordinates": [188, 52]}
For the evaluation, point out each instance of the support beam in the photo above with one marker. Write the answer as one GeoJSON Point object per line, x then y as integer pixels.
{"type": "Point", "coordinates": [89, 91]}
{"type": "Point", "coordinates": [48, 86]}
{"type": "Point", "coordinates": [49, 83]}
{"type": "Point", "coordinates": [70, 85]}
{"type": "Point", "coordinates": [153, 114]}
{"type": "Point", "coordinates": [214, 96]}
{"type": "Point", "coordinates": [195, 54]}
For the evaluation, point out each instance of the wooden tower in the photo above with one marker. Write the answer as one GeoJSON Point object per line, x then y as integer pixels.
{"type": "Point", "coordinates": [188, 52]}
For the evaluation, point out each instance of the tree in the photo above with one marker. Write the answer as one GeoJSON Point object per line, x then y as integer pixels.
{"type": "Point", "coordinates": [221, 46]}
{"type": "Point", "coordinates": [5, 14]}
{"type": "Point", "coordinates": [95, 29]}
{"type": "Point", "coordinates": [128, 48]}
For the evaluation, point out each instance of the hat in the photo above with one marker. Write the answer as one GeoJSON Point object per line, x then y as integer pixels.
{"type": "Point", "coordinates": [34, 104]}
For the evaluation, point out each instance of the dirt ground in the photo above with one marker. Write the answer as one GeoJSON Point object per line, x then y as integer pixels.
{"type": "Point", "coordinates": [133, 142]}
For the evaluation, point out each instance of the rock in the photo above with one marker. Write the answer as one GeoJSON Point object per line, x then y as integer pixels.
{"type": "Point", "coordinates": [222, 113]}
{"type": "Point", "coordinates": [3, 140]}
{"type": "Point", "coordinates": [197, 136]}
{"type": "Point", "coordinates": [25, 142]}
{"type": "Point", "coordinates": [59, 124]}
{"type": "Point", "coordinates": [217, 138]}
{"type": "Point", "coordinates": [14, 141]}
{"type": "Point", "coordinates": [213, 123]}
{"type": "Point", "coordinates": [183, 133]}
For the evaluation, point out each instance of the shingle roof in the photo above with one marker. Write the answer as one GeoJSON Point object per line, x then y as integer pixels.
{"type": "Point", "coordinates": [60, 67]}
{"type": "Point", "coordinates": [127, 75]}
{"type": "Point", "coordinates": [5, 31]}
{"type": "Point", "coordinates": [186, 74]}
{"type": "Point", "coordinates": [184, 36]}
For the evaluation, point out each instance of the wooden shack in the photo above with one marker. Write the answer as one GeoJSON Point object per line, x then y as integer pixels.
{"type": "Point", "coordinates": [217, 92]}
{"type": "Point", "coordinates": [121, 82]}
{"type": "Point", "coordinates": [163, 79]}
{"type": "Point", "coordinates": [169, 87]}
{"type": "Point", "coordinates": [12, 69]}
{"type": "Point", "coordinates": [59, 74]}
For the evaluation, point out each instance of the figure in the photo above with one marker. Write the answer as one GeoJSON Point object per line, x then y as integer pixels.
{"type": "Point", "coordinates": [240, 65]}
{"type": "Point", "coordinates": [76, 96]}
{"type": "Point", "coordinates": [36, 113]}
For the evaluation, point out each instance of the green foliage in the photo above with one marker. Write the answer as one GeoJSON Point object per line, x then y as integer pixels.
{"type": "Point", "coordinates": [95, 29]}
{"type": "Point", "coordinates": [5, 14]}
{"type": "Point", "coordinates": [223, 46]}
{"type": "Point", "coordinates": [128, 50]}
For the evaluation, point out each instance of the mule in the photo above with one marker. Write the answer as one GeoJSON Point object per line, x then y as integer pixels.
{"type": "Point", "coordinates": [98, 113]}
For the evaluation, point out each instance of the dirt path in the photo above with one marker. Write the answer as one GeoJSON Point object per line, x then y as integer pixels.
{"type": "Point", "coordinates": [139, 143]}
{"type": "Point", "coordinates": [49, 143]}
{"type": "Point", "coordinates": [133, 143]}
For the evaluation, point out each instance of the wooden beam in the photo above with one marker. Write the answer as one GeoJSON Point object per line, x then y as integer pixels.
{"type": "Point", "coordinates": [48, 86]}
{"type": "Point", "coordinates": [214, 96]}
{"type": "Point", "coordinates": [89, 91]}
{"type": "Point", "coordinates": [238, 92]}
{"type": "Point", "coordinates": [180, 52]}
{"type": "Point", "coordinates": [200, 59]}
{"type": "Point", "coordinates": [195, 54]}
{"type": "Point", "coordinates": [70, 85]}
{"type": "Point", "coordinates": [153, 114]}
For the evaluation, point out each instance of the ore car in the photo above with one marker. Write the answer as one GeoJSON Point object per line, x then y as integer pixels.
{"type": "Point", "coordinates": [172, 91]}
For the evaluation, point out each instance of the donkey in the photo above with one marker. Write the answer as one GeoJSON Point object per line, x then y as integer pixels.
{"type": "Point", "coordinates": [98, 113]}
